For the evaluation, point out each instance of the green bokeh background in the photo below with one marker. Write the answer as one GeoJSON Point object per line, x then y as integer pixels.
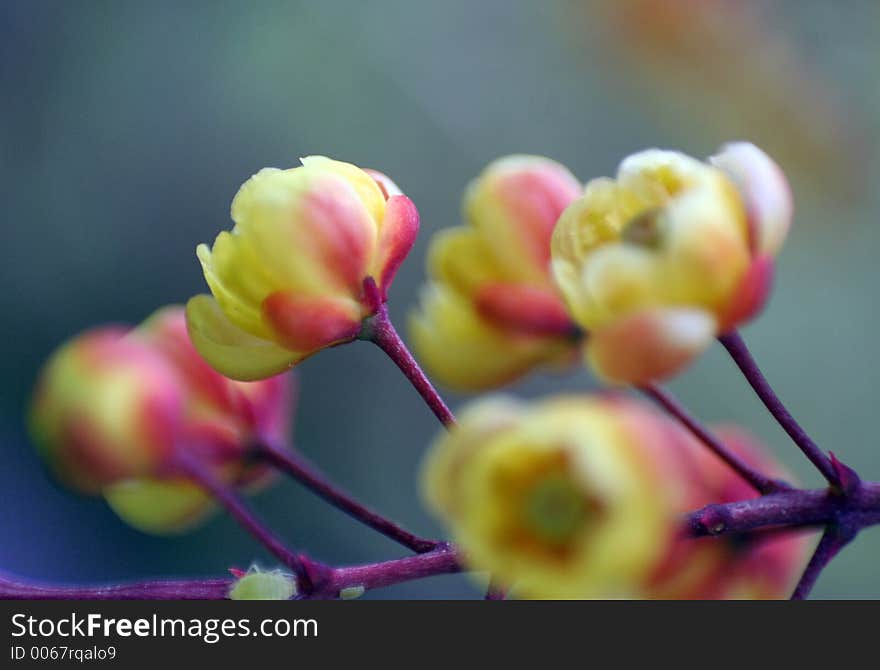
{"type": "Point", "coordinates": [126, 128]}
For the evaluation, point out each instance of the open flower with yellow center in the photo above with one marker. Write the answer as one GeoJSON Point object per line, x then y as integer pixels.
{"type": "Point", "coordinates": [672, 253]}
{"type": "Point", "coordinates": [491, 311]}
{"type": "Point", "coordinates": [573, 497]}
{"type": "Point", "coordinates": [115, 408]}
{"type": "Point", "coordinates": [288, 280]}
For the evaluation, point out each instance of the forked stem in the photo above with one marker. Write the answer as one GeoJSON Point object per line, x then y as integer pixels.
{"type": "Point", "coordinates": [379, 330]}
{"type": "Point", "coordinates": [238, 510]}
{"type": "Point", "coordinates": [834, 539]}
{"type": "Point", "coordinates": [295, 465]}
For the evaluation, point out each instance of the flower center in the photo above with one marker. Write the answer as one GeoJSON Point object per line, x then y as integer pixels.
{"type": "Point", "coordinates": [555, 509]}
{"type": "Point", "coordinates": [645, 229]}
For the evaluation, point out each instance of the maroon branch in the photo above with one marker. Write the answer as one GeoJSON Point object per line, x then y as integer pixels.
{"type": "Point", "coordinates": [759, 481]}
{"type": "Point", "coordinates": [237, 509]}
{"type": "Point", "coordinates": [741, 355]}
{"type": "Point", "coordinates": [295, 465]}
{"type": "Point", "coordinates": [791, 509]}
{"type": "Point", "coordinates": [379, 330]}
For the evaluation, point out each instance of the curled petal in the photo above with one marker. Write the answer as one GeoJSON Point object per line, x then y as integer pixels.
{"type": "Point", "coordinates": [306, 323]}
{"type": "Point", "coordinates": [230, 350]}
{"type": "Point", "coordinates": [752, 293]}
{"type": "Point", "coordinates": [464, 351]}
{"type": "Point", "coordinates": [515, 204]}
{"type": "Point", "coordinates": [386, 185]}
{"type": "Point", "coordinates": [524, 308]}
{"type": "Point", "coordinates": [396, 237]}
{"type": "Point", "coordinates": [764, 189]}
{"type": "Point", "coordinates": [461, 258]}
{"type": "Point", "coordinates": [649, 345]}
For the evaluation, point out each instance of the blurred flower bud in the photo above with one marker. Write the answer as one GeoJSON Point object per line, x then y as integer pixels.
{"type": "Point", "coordinates": [657, 263]}
{"type": "Point", "coordinates": [115, 408]}
{"type": "Point", "coordinates": [753, 566]}
{"type": "Point", "coordinates": [288, 280]}
{"type": "Point", "coordinates": [567, 498]}
{"type": "Point", "coordinates": [107, 407]}
{"type": "Point", "coordinates": [260, 585]}
{"type": "Point", "coordinates": [491, 312]}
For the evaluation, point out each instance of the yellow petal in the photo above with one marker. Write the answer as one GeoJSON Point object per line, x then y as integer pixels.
{"type": "Point", "coordinates": [460, 257]}
{"type": "Point", "coordinates": [159, 506]}
{"type": "Point", "coordinates": [463, 351]}
{"type": "Point", "coordinates": [228, 349]}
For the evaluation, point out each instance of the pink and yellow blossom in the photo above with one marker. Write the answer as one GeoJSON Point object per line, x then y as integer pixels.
{"type": "Point", "coordinates": [672, 253]}
{"type": "Point", "coordinates": [288, 280]}
{"type": "Point", "coordinates": [491, 311]}
{"type": "Point", "coordinates": [571, 497]}
{"type": "Point", "coordinates": [115, 408]}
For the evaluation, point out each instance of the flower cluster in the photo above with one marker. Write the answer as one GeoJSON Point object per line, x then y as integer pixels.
{"type": "Point", "coordinates": [116, 411]}
{"type": "Point", "coordinates": [651, 266]}
{"type": "Point", "coordinates": [568, 497]}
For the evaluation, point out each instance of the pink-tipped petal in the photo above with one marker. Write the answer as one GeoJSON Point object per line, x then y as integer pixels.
{"type": "Point", "coordinates": [523, 308]}
{"type": "Point", "coordinates": [765, 191]}
{"type": "Point", "coordinates": [751, 295]}
{"type": "Point", "coordinates": [388, 187]}
{"type": "Point", "coordinates": [649, 345]}
{"type": "Point", "coordinates": [307, 323]}
{"type": "Point", "coordinates": [396, 238]}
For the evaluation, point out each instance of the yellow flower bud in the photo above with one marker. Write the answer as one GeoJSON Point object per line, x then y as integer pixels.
{"type": "Point", "coordinates": [567, 498]}
{"type": "Point", "coordinates": [673, 252]}
{"type": "Point", "coordinates": [288, 280]}
{"type": "Point", "coordinates": [114, 409]}
{"type": "Point", "coordinates": [491, 312]}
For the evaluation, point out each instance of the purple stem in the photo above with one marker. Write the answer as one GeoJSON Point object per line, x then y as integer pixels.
{"type": "Point", "coordinates": [295, 465]}
{"type": "Point", "coordinates": [441, 560]}
{"type": "Point", "coordinates": [792, 509]}
{"type": "Point", "coordinates": [379, 330]}
{"type": "Point", "coordinates": [240, 512]}
{"type": "Point", "coordinates": [833, 540]}
{"type": "Point", "coordinates": [759, 481]}
{"type": "Point", "coordinates": [741, 355]}
{"type": "Point", "coordinates": [196, 589]}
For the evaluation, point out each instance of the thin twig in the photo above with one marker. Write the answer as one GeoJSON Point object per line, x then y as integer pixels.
{"type": "Point", "coordinates": [295, 465]}
{"type": "Point", "coordinates": [741, 355]}
{"type": "Point", "coordinates": [241, 513]}
{"type": "Point", "coordinates": [834, 539]}
{"type": "Point", "coordinates": [759, 481]}
{"type": "Point", "coordinates": [379, 330]}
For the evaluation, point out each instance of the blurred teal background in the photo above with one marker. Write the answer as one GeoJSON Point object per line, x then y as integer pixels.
{"type": "Point", "coordinates": [126, 128]}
